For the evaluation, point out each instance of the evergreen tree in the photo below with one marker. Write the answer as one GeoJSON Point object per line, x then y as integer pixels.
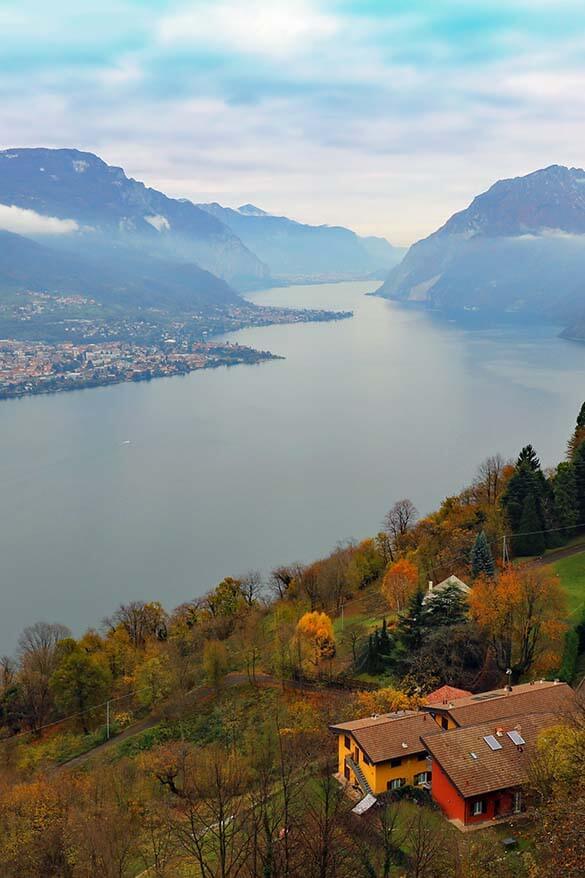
{"type": "Point", "coordinates": [529, 457]}
{"type": "Point", "coordinates": [579, 466]}
{"type": "Point", "coordinates": [528, 482]}
{"type": "Point", "coordinates": [482, 560]}
{"type": "Point", "coordinates": [530, 540]}
{"type": "Point", "coordinates": [566, 504]}
{"type": "Point", "coordinates": [445, 607]}
{"type": "Point", "coordinates": [384, 641]}
{"type": "Point", "coordinates": [412, 625]}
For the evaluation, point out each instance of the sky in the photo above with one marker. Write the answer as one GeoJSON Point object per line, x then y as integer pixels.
{"type": "Point", "coordinates": [382, 116]}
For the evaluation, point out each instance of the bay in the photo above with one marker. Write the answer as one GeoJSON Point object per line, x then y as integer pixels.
{"type": "Point", "coordinates": [158, 490]}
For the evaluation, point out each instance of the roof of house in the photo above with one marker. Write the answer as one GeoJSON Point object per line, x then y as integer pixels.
{"type": "Point", "coordinates": [390, 735]}
{"type": "Point", "coordinates": [451, 581]}
{"type": "Point", "coordinates": [474, 767]}
{"type": "Point", "coordinates": [538, 697]}
{"type": "Point", "coordinates": [446, 694]}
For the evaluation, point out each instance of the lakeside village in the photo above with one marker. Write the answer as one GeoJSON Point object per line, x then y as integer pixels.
{"type": "Point", "coordinates": [56, 342]}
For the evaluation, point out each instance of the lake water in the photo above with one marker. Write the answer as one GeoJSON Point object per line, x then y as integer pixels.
{"type": "Point", "coordinates": [251, 466]}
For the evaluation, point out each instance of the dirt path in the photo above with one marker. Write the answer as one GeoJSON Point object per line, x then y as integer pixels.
{"type": "Point", "coordinates": [556, 555]}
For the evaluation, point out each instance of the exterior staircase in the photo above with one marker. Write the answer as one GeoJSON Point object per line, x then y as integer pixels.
{"type": "Point", "coordinates": [359, 776]}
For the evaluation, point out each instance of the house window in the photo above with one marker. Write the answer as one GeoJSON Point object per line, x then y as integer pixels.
{"type": "Point", "coordinates": [394, 784]}
{"type": "Point", "coordinates": [347, 743]}
{"type": "Point", "coordinates": [367, 759]}
{"type": "Point", "coordinates": [444, 722]}
{"type": "Point", "coordinates": [477, 808]}
{"type": "Point", "coordinates": [422, 756]}
{"type": "Point", "coordinates": [423, 777]}
{"type": "Point", "coordinates": [517, 802]}
{"type": "Point", "coordinates": [395, 762]}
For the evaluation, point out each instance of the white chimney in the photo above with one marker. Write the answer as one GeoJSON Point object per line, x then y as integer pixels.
{"type": "Point", "coordinates": [430, 584]}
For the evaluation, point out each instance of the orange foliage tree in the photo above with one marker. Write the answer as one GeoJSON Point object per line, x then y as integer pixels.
{"type": "Point", "coordinates": [386, 701]}
{"type": "Point", "coordinates": [521, 613]}
{"type": "Point", "coordinates": [399, 584]}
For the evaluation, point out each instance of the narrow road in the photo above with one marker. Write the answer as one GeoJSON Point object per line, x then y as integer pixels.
{"type": "Point", "coordinates": [556, 555]}
{"type": "Point", "coordinates": [201, 694]}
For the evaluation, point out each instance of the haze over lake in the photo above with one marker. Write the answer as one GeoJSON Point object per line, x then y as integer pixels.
{"type": "Point", "coordinates": [158, 490]}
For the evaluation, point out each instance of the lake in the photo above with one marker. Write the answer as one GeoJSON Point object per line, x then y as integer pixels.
{"type": "Point", "coordinates": [251, 466]}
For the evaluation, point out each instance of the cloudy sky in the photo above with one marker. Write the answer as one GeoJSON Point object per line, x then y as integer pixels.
{"type": "Point", "coordinates": [383, 115]}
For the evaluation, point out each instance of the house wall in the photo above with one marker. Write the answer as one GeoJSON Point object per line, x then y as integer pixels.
{"type": "Point", "coordinates": [455, 807]}
{"type": "Point", "coordinates": [380, 775]}
{"type": "Point", "coordinates": [449, 800]}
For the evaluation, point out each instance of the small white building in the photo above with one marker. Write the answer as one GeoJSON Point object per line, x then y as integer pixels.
{"type": "Point", "coordinates": [446, 583]}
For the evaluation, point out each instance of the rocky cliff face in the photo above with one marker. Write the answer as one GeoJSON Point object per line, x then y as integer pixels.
{"type": "Point", "coordinates": [519, 247]}
{"type": "Point", "coordinates": [107, 206]}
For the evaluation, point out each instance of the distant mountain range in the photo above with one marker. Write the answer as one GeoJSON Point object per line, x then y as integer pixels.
{"type": "Point", "coordinates": [69, 222]}
{"type": "Point", "coordinates": [518, 248]}
{"type": "Point", "coordinates": [296, 250]}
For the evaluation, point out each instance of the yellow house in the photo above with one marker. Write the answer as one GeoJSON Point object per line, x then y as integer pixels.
{"type": "Point", "coordinates": [381, 753]}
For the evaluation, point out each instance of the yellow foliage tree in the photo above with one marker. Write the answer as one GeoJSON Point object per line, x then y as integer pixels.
{"type": "Point", "coordinates": [315, 637]}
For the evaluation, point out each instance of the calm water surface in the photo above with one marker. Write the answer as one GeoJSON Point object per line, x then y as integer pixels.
{"type": "Point", "coordinates": [252, 466]}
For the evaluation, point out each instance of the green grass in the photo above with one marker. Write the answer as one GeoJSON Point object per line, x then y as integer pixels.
{"type": "Point", "coordinates": [572, 575]}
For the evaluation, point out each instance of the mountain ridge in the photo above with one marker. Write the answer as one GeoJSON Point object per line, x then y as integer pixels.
{"type": "Point", "coordinates": [518, 247]}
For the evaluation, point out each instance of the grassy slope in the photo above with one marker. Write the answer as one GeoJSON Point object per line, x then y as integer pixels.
{"type": "Point", "coordinates": [572, 574]}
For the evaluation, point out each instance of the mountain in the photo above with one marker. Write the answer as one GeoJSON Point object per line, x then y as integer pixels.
{"type": "Point", "coordinates": [108, 209]}
{"type": "Point", "coordinates": [126, 279]}
{"type": "Point", "coordinates": [296, 250]}
{"type": "Point", "coordinates": [519, 247]}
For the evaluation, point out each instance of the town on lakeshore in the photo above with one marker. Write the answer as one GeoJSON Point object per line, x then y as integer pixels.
{"type": "Point", "coordinates": [67, 342]}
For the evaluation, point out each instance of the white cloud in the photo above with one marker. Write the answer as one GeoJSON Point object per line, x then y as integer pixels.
{"type": "Point", "coordinates": [249, 26]}
{"type": "Point", "coordinates": [28, 222]}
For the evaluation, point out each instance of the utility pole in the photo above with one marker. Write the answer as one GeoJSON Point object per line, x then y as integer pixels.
{"type": "Point", "coordinates": [107, 720]}
{"type": "Point", "coordinates": [342, 605]}
{"type": "Point", "coordinates": [505, 553]}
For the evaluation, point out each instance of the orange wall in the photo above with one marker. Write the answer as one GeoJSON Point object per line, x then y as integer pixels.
{"type": "Point", "coordinates": [446, 796]}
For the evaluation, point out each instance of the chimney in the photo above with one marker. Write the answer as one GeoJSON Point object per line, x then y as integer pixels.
{"type": "Point", "coordinates": [430, 584]}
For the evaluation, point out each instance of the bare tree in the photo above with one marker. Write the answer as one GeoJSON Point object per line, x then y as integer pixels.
{"type": "Point", "coordinates": [140, 620]}
{"type": "Point", "coordinates": [280, 580]}
{"type": "Point", "coordinates": [37, 651]}
{"type": "Point", "coordinates": [251, 585]}
{"type": "Point", "coordinates": [399, 520]}
{"type": "Point", "coordinates": [489, 478]}
{"type": "Point", "coordinates": [429, 846]}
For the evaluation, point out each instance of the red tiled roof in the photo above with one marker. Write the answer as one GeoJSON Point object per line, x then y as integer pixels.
{"type": "Point", "coordinates": [471, 764]}
{"type": "Point", "coordinates": [541, 697]}
{"type": "Point", "coordinates": [446, 693]}
{"type": "Point", "coordinates": [390, 735]}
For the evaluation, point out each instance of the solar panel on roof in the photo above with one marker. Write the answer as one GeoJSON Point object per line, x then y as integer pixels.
{"type": "Point", "coordinates": [492, 742]}
{"type": "Point", "coordinates": [516, 737]}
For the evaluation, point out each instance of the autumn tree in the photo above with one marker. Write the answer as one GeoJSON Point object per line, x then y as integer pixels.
{"type": "Point", "coordinates": [141, 620]}
{"type": "Point", "coordinates": [521, 613]}
{"type": "Point", "coordinates": [399, 584]}
{"type": "Point", "coordinates": [79, 681]}
{"type": "Point", "coordinates": [398, 521]}
{"type": "Point", "coordinates": [215, 662]}
{"type": "Point", "coordinates": [314, 634]}
{"type": "Point", "coordinates": [37, 652]}
{"type": "Point", "coordinates": [153, 680]}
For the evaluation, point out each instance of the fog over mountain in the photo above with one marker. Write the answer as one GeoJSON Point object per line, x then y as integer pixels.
{"type": "Point", "coordinates": [294, 249]}
{"type": "Point", "coordinates": [519, 247]}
